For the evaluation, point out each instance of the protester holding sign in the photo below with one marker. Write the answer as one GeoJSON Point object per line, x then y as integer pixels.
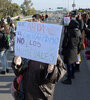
{"type": "Point", "coordinates": [39, 76]}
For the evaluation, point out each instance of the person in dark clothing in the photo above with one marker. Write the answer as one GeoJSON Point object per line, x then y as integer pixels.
{"type": "Point", "coordinates": [9, 20]}
{"type": "Point", "coordinates": [42, 17]}
{"type": "Point", "coordinates": [46, 17]}
{"type": "Point", "coordinates": [71, 44]}
{"type": "Point", "coordinates": [81, 26]}
{"type": "Point", "coordinates": [88, 29]}
{"type": "Point", "coordinates": [4, 46]}
{"type": "Point", "coordinates": [80, 21]}
{"type": "Point", "coordinates": [39, 78]}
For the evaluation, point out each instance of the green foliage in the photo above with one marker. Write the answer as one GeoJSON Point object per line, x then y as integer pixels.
{"type": "Point", "coordinates": [8, 9]}
{"type": "Point", "coordinates": [26, 8]}
{"type": "Point", "coordinates": [12, 9]}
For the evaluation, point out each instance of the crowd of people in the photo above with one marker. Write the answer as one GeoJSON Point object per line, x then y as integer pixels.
{"type": "Point", "coordinates": [77, 35]}
{"type": "Point", "coordinates": [36, 80]}
{"type": "Point", "coordinates": [7, 38]}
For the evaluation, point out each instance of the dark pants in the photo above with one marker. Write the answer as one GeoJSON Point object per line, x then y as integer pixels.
{"type": "Point", "coordinates": [70, 70]}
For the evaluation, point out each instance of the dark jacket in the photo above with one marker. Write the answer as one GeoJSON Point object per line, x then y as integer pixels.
{"type": "Point", "coordinates": [4, 44]}
{"type": "Point", "coordinates": [81, 24]}
{"type": "Point", "coordinates": [71, 43]}
{"type": "Point", "coordinates": [88, 23]}
{"type": "Point", "coordinates": [36, 85]}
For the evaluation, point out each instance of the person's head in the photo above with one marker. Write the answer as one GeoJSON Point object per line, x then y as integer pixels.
{"type": "Point", "coordinates": [85, 17]}
{"type": "Point", "coordinates": [67, 15]}
{"type": "Point", "coordinates": [79, 17]}
{"type": "Point", "coordinates": [4, 27]}
{"type": "Point", "coordinates": [2, 19]}
{"type": "Point", "coordinates": [12, 24]}
{"type": "Point", "coordinates": [36, 18]}
{"type": "Point", "coordinates": [73, 14]}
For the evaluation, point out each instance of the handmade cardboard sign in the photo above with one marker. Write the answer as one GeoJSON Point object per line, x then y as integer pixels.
{"type": "Point", "coordinates": [66, 21]}
{"type": "Point", "coordinates": [38, 41]}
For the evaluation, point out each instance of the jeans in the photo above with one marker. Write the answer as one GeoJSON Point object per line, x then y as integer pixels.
{"type": "Point", "coordinates": [4, 62]}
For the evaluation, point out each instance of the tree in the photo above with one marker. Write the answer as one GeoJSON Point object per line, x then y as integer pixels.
{"type": "Point", "coordinates": [13, 9]}
{"type": "Point", "coordinates": [26, 8]}
{"type": "Point", "coordinates": [8, 8]}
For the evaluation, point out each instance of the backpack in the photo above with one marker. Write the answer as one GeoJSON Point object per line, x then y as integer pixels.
{"type": "Point", "coordinates": [4, 44]}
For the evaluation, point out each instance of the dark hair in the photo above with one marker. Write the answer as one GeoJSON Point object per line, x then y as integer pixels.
{"type": "Point", "coordinates": [85, 16]}
{"type": "Point", "coordinates": [37, 16]}
{"type": "Point", "coordinates": [3, 25]}
{"type": "Point", "coordinates": [11, 24]}
{"type": "Point", "coordinates": [78, 17]}
{"type": "Point", "coordinates": [74, 13]}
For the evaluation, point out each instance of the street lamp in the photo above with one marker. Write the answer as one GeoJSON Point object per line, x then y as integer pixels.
{"type": "Point", "coordinates": [73, 5]}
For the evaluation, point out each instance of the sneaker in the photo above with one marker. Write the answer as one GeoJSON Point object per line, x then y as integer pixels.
{"type": "Point", "coordinates": [2, 72]}
{"type": "Point", "coordinates": [7, 70]}
{"type": "Point", "coordinates": [67, 81]}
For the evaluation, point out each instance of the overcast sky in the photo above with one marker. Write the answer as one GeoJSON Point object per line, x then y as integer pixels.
{"type": "Point", "coordinates": [46, 4]}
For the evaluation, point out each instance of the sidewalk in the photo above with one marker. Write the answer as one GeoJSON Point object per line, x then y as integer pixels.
{"type": "Point", "coordinates": [80, 88]}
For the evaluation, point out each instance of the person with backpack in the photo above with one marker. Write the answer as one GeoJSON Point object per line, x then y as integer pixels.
{"type": "Point", "coordinates": [4, 46]}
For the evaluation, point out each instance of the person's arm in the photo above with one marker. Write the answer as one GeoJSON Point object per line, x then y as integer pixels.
{"type": "Point", "coordinates": [60, 68]}
{"type": "Point", "coordinates": [56, 72]}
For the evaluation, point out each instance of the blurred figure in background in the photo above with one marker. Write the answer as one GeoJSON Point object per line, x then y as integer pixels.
{"type": "Point", "coordinates": [9, 20]}
{"type": "Point", "coordinates": [12, 29]}
{"type": "Point", "coordinates": [71, 44]}
{"type": "Point", "coordinates": [42, 17]}
{"type": "Point", "coordinates": [4, 46]}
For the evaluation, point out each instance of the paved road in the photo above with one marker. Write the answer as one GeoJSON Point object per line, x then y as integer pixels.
{"type": "Point", "coordinates": [6, 81]}
{"type": "Point", "coordinates": [79, 90]}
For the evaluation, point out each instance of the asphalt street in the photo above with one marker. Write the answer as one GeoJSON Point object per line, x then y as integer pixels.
{"type": "Point", "coordinates": [79, 90]}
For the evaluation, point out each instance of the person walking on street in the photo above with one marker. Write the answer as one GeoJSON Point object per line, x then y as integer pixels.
{"type": "Point", "coordinates": [12, 29]}
{"type": "Point", "coordinates": [81, 25]}
{"type": "Point", "coordinates": [70, 46]}
{"type": "Point", "coordinates": [4, 46]}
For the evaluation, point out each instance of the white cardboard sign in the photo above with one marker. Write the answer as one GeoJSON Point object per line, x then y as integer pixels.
{"type": "Point", "coordinates": [66, 21]}
{"type": "Point", "coordinates": [38, 41]}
